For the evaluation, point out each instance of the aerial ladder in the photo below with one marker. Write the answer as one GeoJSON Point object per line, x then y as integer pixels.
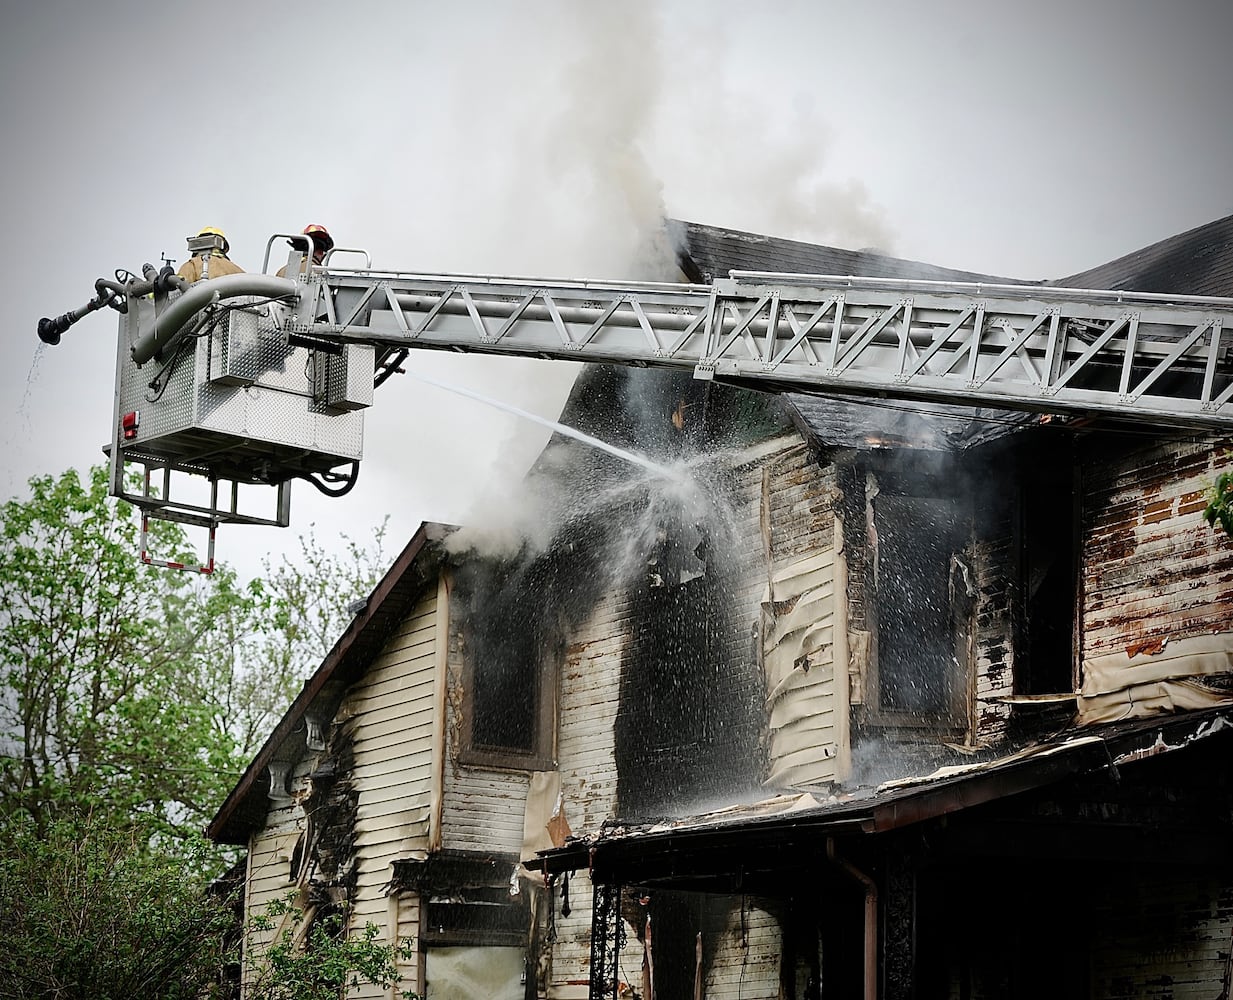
{"type": "Point", "coordinates": [251, 380]}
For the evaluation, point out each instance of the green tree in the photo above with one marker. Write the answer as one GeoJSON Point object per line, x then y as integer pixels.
{"type": "Point", "coordinates": [132, 698]}
{"type": "Point", "coordinates": [106, 708]}
{"type": "Point", "coordinates": [88, 911]}
{"type": "Point", "coordinates": [139, 694]}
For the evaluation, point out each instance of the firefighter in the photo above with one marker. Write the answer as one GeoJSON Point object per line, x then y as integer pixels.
{"type": "Point", "coordinates": [209, 256]}
{"type": "Point", "coordinates": [322, 243]}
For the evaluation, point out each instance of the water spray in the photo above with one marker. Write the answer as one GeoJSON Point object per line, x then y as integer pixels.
{"type": "Point", "coordinates": [662, 471]}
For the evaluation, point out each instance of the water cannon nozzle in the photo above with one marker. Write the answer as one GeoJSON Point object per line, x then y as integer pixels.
{"type": "Point", "coordinates": [50, 329]}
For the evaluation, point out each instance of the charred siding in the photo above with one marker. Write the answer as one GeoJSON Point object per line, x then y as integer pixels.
{"type": "Point", "coordinates": [362, 801]}
{"type": "Point", "coordinates": [995, 658]}
{"type": "Point", "coordinates": [1152, 567]}
{"type": "Point", "coordinates": [802, 496]}
{"type": "Point", "coordinates": [1163, 938]}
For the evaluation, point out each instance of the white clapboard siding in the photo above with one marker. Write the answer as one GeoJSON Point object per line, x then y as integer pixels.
{"type": "Point", "coordinates": [390, 711]}
{"type": "Point", "coordinates": [484, 809]}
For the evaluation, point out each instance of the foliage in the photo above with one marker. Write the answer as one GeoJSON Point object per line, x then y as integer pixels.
{"type": "Point", "coordinates": [86, 911]}
{"type": "Point", "coordinates": [1220, 506]}
{"type": "Point", "coordinates": [303, 610]}
{"type": "Point", "coordinates": [134, 694]}
{"type": "Point", "coordinates": [106, 708]}
{"type": "Point", "coordinates": [311, 959]}
{"type": "Point", "coordinates": [131, 699]}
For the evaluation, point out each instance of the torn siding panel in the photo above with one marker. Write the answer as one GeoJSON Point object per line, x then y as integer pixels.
{"type": "Point", "coordinates": [800, 672]}
{"type": "Point", "coordinates": [544, 810]}
{"type": "Point", "coordinates": [1120, 686]}
{"type": "Point", "coordinates": [798, 613]}
{"type": "Point", "coordinates": [1155, 577]}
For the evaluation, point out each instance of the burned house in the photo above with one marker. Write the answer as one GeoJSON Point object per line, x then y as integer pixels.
{"type": "Point", "coordinates": [791, 696]}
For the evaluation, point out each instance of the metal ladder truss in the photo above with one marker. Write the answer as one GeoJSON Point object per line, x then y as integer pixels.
{"type": "Point", "coordinates": [1156, 358]}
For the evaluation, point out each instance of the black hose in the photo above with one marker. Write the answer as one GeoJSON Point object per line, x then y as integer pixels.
{"type": "Point", "coordinates": [348, 480]}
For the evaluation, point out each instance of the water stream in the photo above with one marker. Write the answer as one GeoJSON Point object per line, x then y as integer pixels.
{"type": "Point", "coordinates": [31, 377]}
{"type": "Point", "coordinates": [21, 423]}
{"type": "Point", "coordinates": [662, 471]}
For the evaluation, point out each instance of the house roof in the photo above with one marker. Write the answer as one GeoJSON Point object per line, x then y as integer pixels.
{"type": "Point", "coordinates": [388, 604]}
{"type": "Point", "coordinates": [709, 252]}
{"type": "Point", "coordinates": [714, 251]}
{"type": "Point", "coordinates": [701, 846]}
{"type": "Point", "coordinates": [1196, 262]}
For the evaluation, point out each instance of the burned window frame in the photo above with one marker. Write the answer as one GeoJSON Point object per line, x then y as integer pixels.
{"type": "Point", "coordinates": [1049, 480]}
{"type": "Point", "coordinates": [543, 669]}
{"type": "Point", "coordinates": [542, 754]}
{"type": "Point", "coordinates": [930, 477]}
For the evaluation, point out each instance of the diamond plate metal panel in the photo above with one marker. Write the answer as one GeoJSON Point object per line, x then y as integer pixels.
{"type": "Point", "coordinates": [235, 399]}
{"type": "Point", "coordinates": [345, 381]}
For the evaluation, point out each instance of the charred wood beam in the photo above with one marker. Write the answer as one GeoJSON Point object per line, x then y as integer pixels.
{"type": "Point", "coordinates": [1094, 843]}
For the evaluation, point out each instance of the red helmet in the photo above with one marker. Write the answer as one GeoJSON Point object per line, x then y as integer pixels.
{"type": "Point", "coordinates": [322, 240]}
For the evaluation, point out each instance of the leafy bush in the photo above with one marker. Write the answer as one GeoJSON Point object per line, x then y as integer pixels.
{"type": "Point", "coordinates": [87, 911]}
{"type": "Point", "coordinates": [1220, 507]}
{"type": "Point", "coordinates": [316, 959]}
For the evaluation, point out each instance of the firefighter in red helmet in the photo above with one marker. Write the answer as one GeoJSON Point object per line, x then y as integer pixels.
{"type": "Point", "coordinates": [321, 243]}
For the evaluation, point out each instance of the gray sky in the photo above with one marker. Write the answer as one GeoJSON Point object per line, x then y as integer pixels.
{"type": "Point", "coordinates": [542, 138]}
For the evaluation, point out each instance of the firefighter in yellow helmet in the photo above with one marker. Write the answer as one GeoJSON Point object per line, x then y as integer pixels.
{"type": "Point", "coordinates": [321, 241]}
{"type": "Point", "coordinates": [209, 256]}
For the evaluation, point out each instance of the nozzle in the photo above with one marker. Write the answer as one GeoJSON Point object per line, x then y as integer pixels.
{"type": "Point", "coordinates": [50, 329]}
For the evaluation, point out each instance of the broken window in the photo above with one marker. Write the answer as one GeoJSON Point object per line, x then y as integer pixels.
{"type": "Point", "coordinates": [512, 648]}
{"type": "Point", "coordinates": [919, 592]}
{"type": "Point", "coordinates": [1049, 579]}
{"type": "Point", "coordinates": [684, 732]}
{"type": "Point", "coordinates": [915, 644]}
{"type": "Point", "coordinates": [466, 973]}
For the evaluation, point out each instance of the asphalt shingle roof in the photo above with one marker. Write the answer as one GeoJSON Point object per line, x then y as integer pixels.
{"type": "Point", "coordinates": [717, 251]}
{"type": "Point", "coordinates": [1196, 262]}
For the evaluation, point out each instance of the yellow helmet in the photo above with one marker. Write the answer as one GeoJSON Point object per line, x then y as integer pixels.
{"type": "Point", "coordinates": [215, 231]}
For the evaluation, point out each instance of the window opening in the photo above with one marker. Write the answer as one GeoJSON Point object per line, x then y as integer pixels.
{"type": "Point", "coordinates": [511, 647]}
{"type": "Point", "coordinates": [915, 637]}
{"type": "Point", "coordinates": [1048, 520]}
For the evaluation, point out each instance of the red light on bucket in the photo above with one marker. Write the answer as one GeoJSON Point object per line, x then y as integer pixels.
{"type": "Point", "coordinates": [129, 424]}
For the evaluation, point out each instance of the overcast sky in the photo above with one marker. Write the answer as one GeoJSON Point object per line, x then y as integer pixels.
{"type": "Point", "coordinates": [1026, 140]}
